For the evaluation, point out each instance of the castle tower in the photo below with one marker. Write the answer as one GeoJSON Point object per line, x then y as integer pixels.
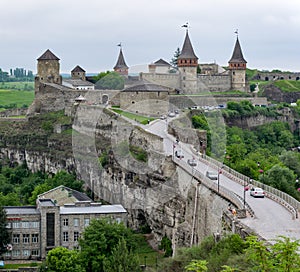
{"type": "Point", "coordinates": [48, 68]}
{"type": "Point", "coordinates": [121, 66]}
{"type": "Point", "coordinates": [78, 73]}
{"type": "Point", "coordinates": [237, 67]}
{"type": "Point", "coordinates": [187, 65]}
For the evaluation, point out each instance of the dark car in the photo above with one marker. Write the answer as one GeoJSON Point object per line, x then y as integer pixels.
{"type": "Point", "coordinates": [212, 175]}
{"type": "Point", "coordinates": [179, 154]}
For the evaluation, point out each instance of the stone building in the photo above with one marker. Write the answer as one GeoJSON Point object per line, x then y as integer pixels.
{"type": "Point", "coordinates": [78, 80]}
{"type": "Point", "coordinates": [212, 77]}
{"type": "Point", "coordinates": [58, 219]}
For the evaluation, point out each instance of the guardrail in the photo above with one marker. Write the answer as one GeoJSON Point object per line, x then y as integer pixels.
{"type": "Point", "coordinates": [287, 201]}
{"type": "Point", "coordinates": [210, 184]}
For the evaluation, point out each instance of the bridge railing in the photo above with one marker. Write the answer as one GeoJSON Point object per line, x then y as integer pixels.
{"type": "Point", "coordinates": [212, 185]}
{"type": "Point", "coordinates": [282, 198]}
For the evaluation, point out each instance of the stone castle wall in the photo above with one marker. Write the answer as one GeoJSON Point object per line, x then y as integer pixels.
{"type": "Point", "coordinates": [217, 83]}
{"type": "Point", "coordinates": [168, 80]}
{"type": "Point", "coordinates": [145, 103]}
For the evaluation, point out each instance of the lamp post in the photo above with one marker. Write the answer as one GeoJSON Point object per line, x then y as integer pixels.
{"type": "Point", "coordinates": [219, 172]}
{"type": "Point", "coordinates": [244, 194]}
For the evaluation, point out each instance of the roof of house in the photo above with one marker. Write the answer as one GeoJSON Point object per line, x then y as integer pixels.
{"type": "Point", "coordinates": [187, 51]}
{"type": "Point", "coordinates": [147, 87]}
{"type": "Point", "coordinates": [78, 69]}
{"type": "Point", "coordinates": [162, 62]}
{"type": "Point", "coordinates": [48, 55]}
{"type": "Point", "coordinates": [78, 82]}
{"type": "Point", "coordinates": [121, 61]}
{"type": "Point", "coordinates": [15, 210]}
{"type": "Point", "coordinates": [100, 209]}
{"type": "Point", "coordinates": [63, 195]}
{"type": "Point", "coordinates": [237, 55]}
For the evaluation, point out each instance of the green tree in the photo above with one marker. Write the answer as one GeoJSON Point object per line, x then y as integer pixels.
{"type": "Point", "coordinates": [39, 189]}
{"type": "Point", "coordinates": [63, 260]}
{"type": "Point", "coordinates": [174, 60]}
{"type": "Point", "coordinates": [4, 234]}
{"type": "Point", "coordinates": [281, 178]}
{"type": "Point", "coordinates": [258, 252]}
{"type": "Point", "coordinates": [121, 259]}
{"type": "Point", "coordinates": [111, 81]}
{"type": "Point", "coordinates": [197, 266]}
{"type": "Point", "coordinates": [286, 255]}
{"type": "Point", "coordinates": [98, 241]}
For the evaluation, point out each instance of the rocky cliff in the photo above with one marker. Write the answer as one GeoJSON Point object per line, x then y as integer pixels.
{"type": "Point", "coordinates": [156, 193]}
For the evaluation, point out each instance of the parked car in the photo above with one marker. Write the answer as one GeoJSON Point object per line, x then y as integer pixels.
{"type": "Point", "coordinates": [171, 114]}
{"type": "Point", "coordinates": [163, 117]}
{"type": "Point", "coordinates": [257, 192]}
{"type": "Point", "coordinates": [179, 154]}
{"type": "Point", "coordinates": [212, 175]}
{"type": "Point", "coordinates": [192, 162]}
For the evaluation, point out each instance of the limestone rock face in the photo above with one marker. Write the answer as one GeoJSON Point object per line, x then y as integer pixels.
{"type": "Point", "coordinates": [156, 193]}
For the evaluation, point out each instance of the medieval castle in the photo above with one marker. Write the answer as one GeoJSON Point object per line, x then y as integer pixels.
{"type": "Point", "coordinates": [54, 93]}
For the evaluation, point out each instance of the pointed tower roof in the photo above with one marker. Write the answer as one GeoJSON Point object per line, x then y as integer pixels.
{"type": "Point", "coordinates": [237, 55]}
{"type": "Point", "coordinates": [78, 69]}
{"type": "Point", "coordinates": [48, 55]}
{"type": "Point", "coordinates": [121, 61]}
{"type": "Point", "coordinates": [187, 51]}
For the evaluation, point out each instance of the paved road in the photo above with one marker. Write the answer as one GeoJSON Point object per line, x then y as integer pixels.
{"type": "Point", "coordinates": [271, 219]}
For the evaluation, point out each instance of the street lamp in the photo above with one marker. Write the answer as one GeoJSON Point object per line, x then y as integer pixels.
{"type": "Point", "coordinates": [219, 172]}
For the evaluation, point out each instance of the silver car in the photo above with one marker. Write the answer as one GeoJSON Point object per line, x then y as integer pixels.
{"type": "Point", "coordinates": [257, 192]}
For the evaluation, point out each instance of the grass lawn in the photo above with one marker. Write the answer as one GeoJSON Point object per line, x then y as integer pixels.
{"type": "Point", "coordinates": [288, 85]}
{"type": "Point", "coordinates": [139, 118]}
{"type": "Point", "coordinates": [146, 254]}
{"type": "Point", "coordinates": [20, 98]}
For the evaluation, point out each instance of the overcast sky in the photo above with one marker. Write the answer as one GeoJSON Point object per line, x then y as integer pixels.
{"type": "Point", "coordinates": [87, 32]}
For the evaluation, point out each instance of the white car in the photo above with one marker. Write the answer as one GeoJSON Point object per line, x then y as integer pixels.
{"type": "Point", "coordinates": [257, 192]}
{"type": "Point", "coordinates": [192, 162]}
{"type": "Point", "coordinates": [212, 175]}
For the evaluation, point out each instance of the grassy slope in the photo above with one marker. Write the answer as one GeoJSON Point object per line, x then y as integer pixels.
{"type": "Point", "coordinates": [19, 93]}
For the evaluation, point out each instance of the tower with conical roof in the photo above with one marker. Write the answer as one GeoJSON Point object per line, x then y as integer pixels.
{"type": "Point", "coordinates": [237, 67]}
{"type": "Point", "coordinates": [187, 64]}
{"type": "Point", "coordinates": [78, 73]}
{"type": "Point", "coordinates": [48, 68]}
{"type": "Point", "coordinates": [121, 66]}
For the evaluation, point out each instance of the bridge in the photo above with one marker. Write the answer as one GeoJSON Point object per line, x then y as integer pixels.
{"type": "Point", "coordinates": [274, 215]}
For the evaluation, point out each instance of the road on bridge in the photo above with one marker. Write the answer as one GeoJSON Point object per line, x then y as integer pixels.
{"type": "Point", "coordinates": [271, 219]}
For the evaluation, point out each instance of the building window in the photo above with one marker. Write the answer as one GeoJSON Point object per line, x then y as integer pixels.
{"type": "Point", "coordinates": [86, 222]}
{"type": "Point", "coordinates": [16, 238]}
{"type": "Point", "coordinates": [16, 253]}
{"type": "Point", "coordinates": [35, 224]}
{"type": "Point", "coordinates": [25, 225]}
{"type": "Point", "coordinates": [76, 222]}
{"type": "Point", "coordinates": [76, 235]}
{"type": "Point", "coordinates": [35, 252]}
{"type": "Point", "coordinates": [7, 254]}
{"type": "Point", "coordinates": [8, 225]}
{"type": "Point", "coordinates": [50, 231]}
{"type": "Point", "coordinates": [35, 238]}
{"type": "Point", "coordinates": [26, 252]}
{"type": "Point", "coordinates": [65, 236]}
{"type": "Point", "coordinates": [26, 238]}
{"type": "Point", "coordinates": [16, 225]}
{"type": "Point", "coordinates": [66, 222]}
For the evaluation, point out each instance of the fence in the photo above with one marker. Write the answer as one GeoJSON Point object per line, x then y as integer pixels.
{"type": "Point", "coordinates": [216, 187]}
{"type": "Point", "coordinates": [280, 197]}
